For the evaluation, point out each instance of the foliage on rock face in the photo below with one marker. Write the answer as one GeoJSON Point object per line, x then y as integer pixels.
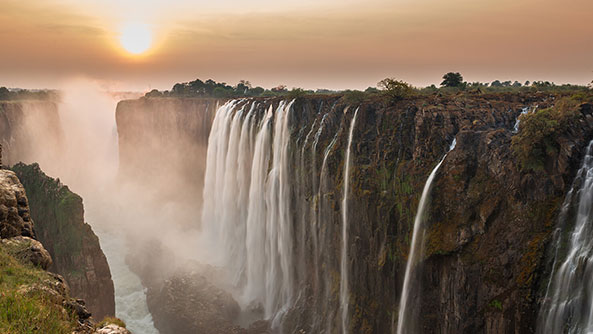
{"type": "Point", "coordinates": [29, 310]}
{"type": "Point", "coordinates": [538, 131]}
{"type": "Point", "coordinates": [395, 89]}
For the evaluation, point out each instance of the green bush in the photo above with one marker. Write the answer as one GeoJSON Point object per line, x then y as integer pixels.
{"type": "Point", "coordinates": [538, 131]}
{"type": "Point", "coordinates": [396, 89]}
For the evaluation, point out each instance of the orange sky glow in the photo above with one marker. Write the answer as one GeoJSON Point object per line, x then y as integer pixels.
{"type": "Point", "coordinates": [333, 44]}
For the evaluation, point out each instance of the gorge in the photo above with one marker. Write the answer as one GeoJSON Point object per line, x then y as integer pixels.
{"type": "Point", "coordinates": [316, 214]}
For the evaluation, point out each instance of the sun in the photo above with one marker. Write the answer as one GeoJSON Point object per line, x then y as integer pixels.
{"type": "Point", "coordinates": [136, 38]}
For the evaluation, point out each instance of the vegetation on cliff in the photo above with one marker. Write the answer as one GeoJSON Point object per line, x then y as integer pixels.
{"type": "Point", "coordinates": [28, 299]}
{"type": "Point", "coordinates": [390, 89]}
{"type": "Point", "coordinates": [23, 94]}
{"type": "Point", "coordinates": [75, 249]}
{"type": "Point", "coordinates": [537, 139]}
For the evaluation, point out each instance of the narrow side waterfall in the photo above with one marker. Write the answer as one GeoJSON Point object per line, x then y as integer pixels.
{"type": "Point", "coordinates": [524, 111]}
{"type": "Point", "coordinates": [568, 305]}
{"type": "Point", "coordinates": [344, 261]}
{"type": "Point", "coordinates": [246, 217]}
{"type": "Point", "coordinates": [405, 311]}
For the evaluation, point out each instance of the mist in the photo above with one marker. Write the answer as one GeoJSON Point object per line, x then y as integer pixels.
{"type": "Point", "coordinates": [130, 211]}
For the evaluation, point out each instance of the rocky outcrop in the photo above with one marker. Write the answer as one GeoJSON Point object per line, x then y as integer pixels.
{"type": "Point", "coordinates": [162, 144]}
{"type": "Point", "coordinates": [22, 264]}
{"type": "Point", "coordinates": [15, 217]}
{"type": "Point", "coordinates": [185, 296]}
{"type": "Point", "coordinates": [30, 130]}
{"type": "Point", "coordinates": [75, 249]}
{"type": "Point", "coordinates": [187, 303]}
{"type": "Point", "coordinates": [29, 250]}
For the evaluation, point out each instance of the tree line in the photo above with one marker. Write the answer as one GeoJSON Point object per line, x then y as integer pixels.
{"type": "Point", "coordinates": [390, 87]}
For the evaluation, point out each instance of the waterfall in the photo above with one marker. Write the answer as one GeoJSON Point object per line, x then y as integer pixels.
{"type": "Point", "coordinates": [568, 304]}
{"type": "Point", "coordinates": [246, 218]}
{"type": "Point", "coordinates": [405, 313]}
{"type": "Point", "coordinates": [344, 298]}
{"type": "Point", "coordinates": [524, 111]}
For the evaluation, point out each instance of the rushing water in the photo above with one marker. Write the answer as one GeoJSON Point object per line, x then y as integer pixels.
{"type": "Point", "coordinates": [274, 227]}
{"type": "Point", "coordinates": [404, 323]}
{"type": "Point", "coordinates": [344, 259]}
{"type": "Point", "coordinates": [524, 111]}
{"type": "Point", "coordinates": [246, 203]}
{"type": "Point", "coordinates": [568, 305]}
{"type": "Point", "coordinates": [130, 296]}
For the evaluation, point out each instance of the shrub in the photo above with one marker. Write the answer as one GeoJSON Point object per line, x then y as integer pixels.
{"type": "Point", "coordinates": [538, 131]}
{"type": "Point", "coordinates": [452, 80]}
{"type": "Point", "coordinates": [354, 97]}
{"type": "Point", "coordinates": [395, 89]}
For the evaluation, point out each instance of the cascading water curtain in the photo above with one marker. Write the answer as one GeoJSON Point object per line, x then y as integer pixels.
{"type": "Point", "coordinates": [568, 305]}
{"type": "Point", "coordinates": [246, 217]}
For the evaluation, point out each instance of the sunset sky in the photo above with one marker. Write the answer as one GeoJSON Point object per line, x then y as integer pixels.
{"type": "Point", "coordinates": [306, 43]}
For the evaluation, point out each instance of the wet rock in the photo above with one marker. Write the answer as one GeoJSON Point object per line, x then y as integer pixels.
{"type": "Point", "coordinates": [189, 303]}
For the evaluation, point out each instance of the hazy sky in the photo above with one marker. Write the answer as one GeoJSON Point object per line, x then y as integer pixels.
{"type": "Point", "coordinates": [304, 43]}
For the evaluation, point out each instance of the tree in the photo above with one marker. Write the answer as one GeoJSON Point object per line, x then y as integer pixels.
{"type": "Point", "coordinates": [496, 83]}
{"type": "Point", "coordinates": [257, 91]}
{"type": "Point", "coordinates": [452, 80]}
{"type": "Point", "coordinates": [4, 93]}
{"type": "Point", "coordinates": [395, 89]}
{"type": "Point", "coordinates": [154, 93]}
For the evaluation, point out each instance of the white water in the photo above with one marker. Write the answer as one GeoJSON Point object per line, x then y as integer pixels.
{"type": "Point", "coordinates": [524, 111]}
{"type": "Point", "coordinates": [568, 305]}
{"type": "Point", "coordinates": [344, 293]}
{"type": "Point", "coordinates": [246, 216]}
{"type": "Point", "coordinates": [130, 296]}
{"type": "Point", "coordinates": [88, 164]}
{"type": "Point", "coordinates": [405, 312]}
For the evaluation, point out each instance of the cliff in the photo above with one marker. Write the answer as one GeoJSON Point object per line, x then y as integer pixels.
{"type": "Point", "coordinates": [33, 298]}
{"type": "Point", "coordinates": [60, 226]}
{"type": "Point", "coordinates": [163, 142]}
{"type": "Point", "coordinates": [492, 209]}
{"type": "Point", "coordinates": [29, 130]}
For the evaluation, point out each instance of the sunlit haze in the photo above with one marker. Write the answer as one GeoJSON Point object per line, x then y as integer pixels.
{"type": "Point", "coordinates": [311, 44]}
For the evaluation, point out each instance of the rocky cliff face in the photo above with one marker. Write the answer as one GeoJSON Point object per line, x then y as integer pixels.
{"type": "Point", "coordinates": [60, 226]}
{"type": "Point", "coordinates": [32, 298]}
{"type": "Point", "coordinates": [163, 142]}
{"type": "Point", "coordinates": [29, 130]}
{"type": "Point", "coordinates": [488, 224]}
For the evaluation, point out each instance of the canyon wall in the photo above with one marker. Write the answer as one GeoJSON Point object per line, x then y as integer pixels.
{"type": "Point", "coordinates": [488, 224]}
{"type": "Point", "coordinates": [162, 144]}
{"type": "Point", "coordinates": [29, 130]}
{"type": "Point", "coordinates": [33, 298]}
{"type": "Point", "coordinates": [60, 225]}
